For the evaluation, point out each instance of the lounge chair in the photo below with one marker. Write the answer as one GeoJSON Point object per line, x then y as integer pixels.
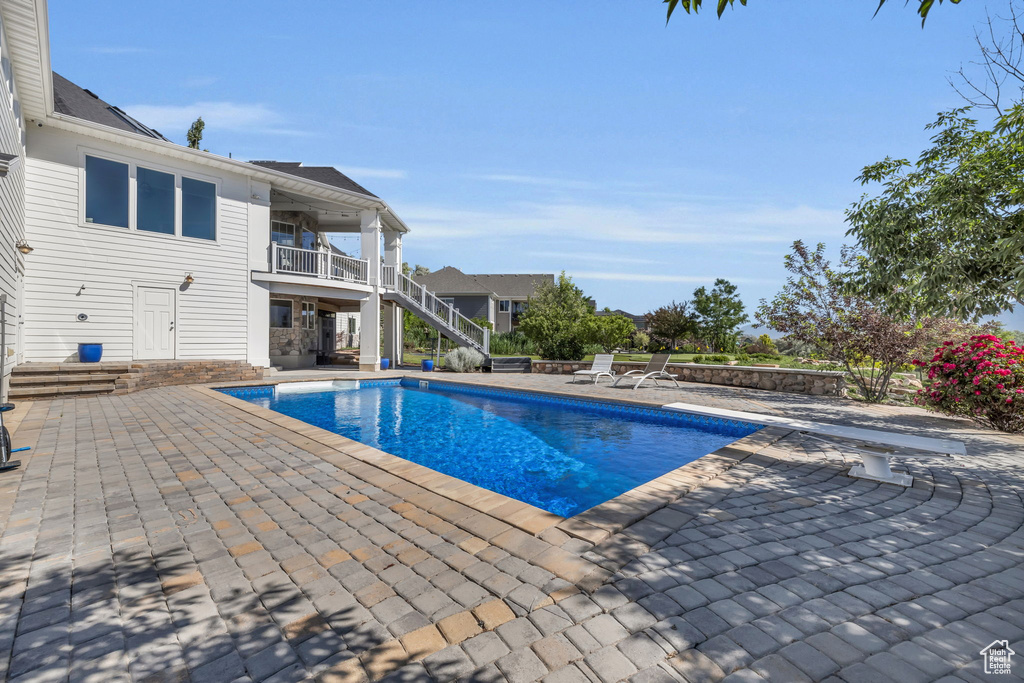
{"type": "Point", "coordinates": [655, 370]}
{"type": "Point", "coordinates": [602, 365]}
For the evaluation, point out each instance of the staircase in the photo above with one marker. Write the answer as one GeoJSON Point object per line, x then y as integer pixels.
{"type": "Point", "coordinates": [436, 313]}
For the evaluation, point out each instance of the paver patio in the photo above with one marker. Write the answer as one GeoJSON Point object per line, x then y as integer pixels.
{"type": "Point", "coordinates": [170, 535]}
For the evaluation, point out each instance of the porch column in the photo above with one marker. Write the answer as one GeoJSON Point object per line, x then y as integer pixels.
{"type": "Point", "coordinates": [369, 308]}
{"type": "Point", "coordinates": [393, 313]}
{"type": "Point", "coordinates": [393, 332]}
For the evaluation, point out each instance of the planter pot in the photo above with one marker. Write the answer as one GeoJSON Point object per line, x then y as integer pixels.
{"type": "Point", "coordinates": [428, 366]}
{"type": "Point", "coordinates": [90, 353]}
{"type": "Point", "coordinates": [385, 363]}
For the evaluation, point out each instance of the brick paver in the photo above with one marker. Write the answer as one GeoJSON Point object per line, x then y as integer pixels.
{"type": "Point", "coordinates": [167, 534]}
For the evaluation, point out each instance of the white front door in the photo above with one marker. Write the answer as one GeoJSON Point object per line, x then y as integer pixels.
{"type": "Point", "coordinates": [154, 323]}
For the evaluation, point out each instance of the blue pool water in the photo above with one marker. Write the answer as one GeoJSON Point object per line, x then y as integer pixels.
{"type": "Point", "coordinates": [561, 455]}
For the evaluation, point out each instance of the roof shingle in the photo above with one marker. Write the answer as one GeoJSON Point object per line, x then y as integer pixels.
{"type": "Point", "coordinates": [327, 175]}
{"type": "Point", "coordinates": [73, 100]}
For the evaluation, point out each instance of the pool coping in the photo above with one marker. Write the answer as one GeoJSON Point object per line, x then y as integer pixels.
{"type": "Point", "coordinates": [502, 520]}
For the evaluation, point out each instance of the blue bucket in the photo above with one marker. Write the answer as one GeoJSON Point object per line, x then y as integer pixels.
{"type": "Point", "coordinates": [90, 353]}
{"type": "Point", "coordinates": [428, 365]}
{"type": "Point", "coordinates": [385, 363]}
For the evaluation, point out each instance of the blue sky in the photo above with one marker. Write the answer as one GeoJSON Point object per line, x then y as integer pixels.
{"type": "Point", "coordinates": [643, 159]}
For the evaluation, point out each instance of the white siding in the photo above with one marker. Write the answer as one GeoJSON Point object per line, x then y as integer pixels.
{"type": "Point", "coordinates": [12, 208]}
{"type": "Point", "coordinates": [212, 312]}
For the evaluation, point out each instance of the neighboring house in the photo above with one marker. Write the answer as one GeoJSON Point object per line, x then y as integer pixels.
{"type": "Point", "coordinates": [640, 321]}
{"type": "Point", "coordinates": [499, 299]}
{"type": "Point", "coordinates": [162, 252]}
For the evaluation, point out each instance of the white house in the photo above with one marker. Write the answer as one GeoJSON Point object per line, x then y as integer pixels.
{"type": "Point", "coordinates": [162, 252]}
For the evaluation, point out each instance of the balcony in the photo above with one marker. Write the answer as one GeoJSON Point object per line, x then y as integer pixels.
{"type": "Point", "coordinates": [316, 263]}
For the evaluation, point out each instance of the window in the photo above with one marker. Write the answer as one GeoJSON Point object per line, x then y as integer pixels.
{"type": "Point", "coordinates": [280, 313]}
{"type": "Point", "coordinates": [503, 306]}
{"type": "Point", "coordinates": [450, 300]}
{"type": "Point", "coordinates": [282, 233]}
{"type": "Point", "coordinates": [308, 315]}
{"type": "Point", "coordinates": [308, 239]}
{"type": "Point", "coordinates": [155, 201]}
{"type": "Point", "coordinates": [351, 325]}
{"type": "Point", "coordinates": [123, 194]}
{"type": "Point", "coordinates": [198, 209]}
{"type": "Point", "coordinates": [106, 192]}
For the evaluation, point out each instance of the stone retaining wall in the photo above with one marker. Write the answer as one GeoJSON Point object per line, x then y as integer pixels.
{"type": "Point", "coordinates": [794, 381]}
{"type": "Point", "coordinates": [149, 374]}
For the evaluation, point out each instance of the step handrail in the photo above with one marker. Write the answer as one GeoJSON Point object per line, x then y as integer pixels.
{"type": "Point", "coordinates": [428, 302]}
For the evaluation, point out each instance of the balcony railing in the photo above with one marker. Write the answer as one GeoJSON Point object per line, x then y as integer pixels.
{"type": "Point", "coordinates": [323, 264]}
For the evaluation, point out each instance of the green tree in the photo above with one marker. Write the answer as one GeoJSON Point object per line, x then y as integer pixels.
{"type": "Point", "coordinates": [557, 319]}
{"type": "Point", "coordinates": [611, 331]}
{"type": "Point", "coordinates": [417, 334]}
{"type": "Point", "coordinates": [414, 271]}
{"type": "Point", "coordinates": [673, 322]}
{"type": "Point", "coordinates": [923, 7]}
{"type": "Point", "coordinates": [720, 312]}
{"type": "Point", "coordinates": [945, 236]}
{"type": "Point", "coordinates": [195, 133]}
{"type": "Point", "coordinates": [816, 308]}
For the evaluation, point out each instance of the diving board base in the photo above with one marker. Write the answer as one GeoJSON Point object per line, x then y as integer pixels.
{"type": "Point", "coordinates": [860, 472]}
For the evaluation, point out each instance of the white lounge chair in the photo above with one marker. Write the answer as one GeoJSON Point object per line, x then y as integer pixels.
{"type": "Point", "coordinates": [655, 370]}
{"type": "Point", "coordinates": [602, 365]}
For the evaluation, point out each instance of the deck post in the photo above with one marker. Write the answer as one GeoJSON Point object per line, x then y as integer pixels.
{"type": "Point", "coordinates": [393, 314]}
{"type": "Point", "coordinates": [369, 308]}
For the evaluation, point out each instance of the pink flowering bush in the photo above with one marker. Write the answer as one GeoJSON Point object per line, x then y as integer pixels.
{"type": "Point", "coordinates": [982, 378]}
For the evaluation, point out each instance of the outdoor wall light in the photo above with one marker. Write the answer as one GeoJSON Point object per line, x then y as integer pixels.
{"type": "Point", "coordinates": [23, 247]}
{"type": "Point", "coordinates": [189, 279]}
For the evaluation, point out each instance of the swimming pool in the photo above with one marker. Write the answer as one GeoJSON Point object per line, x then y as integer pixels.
{"type": "Point", "coordinates": [560, 454]}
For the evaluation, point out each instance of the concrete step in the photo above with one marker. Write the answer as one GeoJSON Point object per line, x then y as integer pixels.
{"type": "Point", "coordinates": [61, 391]}
{"type": "Point", "coordinates": [62, 378]}
{"type": "Point", "coordinates": [72, 368]}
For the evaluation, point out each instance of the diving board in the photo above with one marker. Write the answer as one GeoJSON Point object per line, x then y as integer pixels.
{"type": "Point", "coordinates": [876, 461]}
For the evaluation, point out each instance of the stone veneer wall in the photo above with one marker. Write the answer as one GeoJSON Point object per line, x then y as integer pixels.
{"type": "Point", "coordinates": [148, 374]}
{"type": "Point", "coordinates": [292, 341]}
{"type": "Point", "coordinates": [794, 381]}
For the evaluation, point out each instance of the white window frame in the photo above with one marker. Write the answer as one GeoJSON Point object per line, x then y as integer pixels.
{"type": "Point", "coordinates": [133, 189]}
{"type": "Point", "coordinates": [504, 305]}
{"type": "Point", "coordinates": [291, 225]}
{"type": "Point", "coordinates": [308, 321]}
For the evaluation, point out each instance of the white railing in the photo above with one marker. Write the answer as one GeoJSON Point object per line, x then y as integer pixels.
{"type": "Point", "coordinates": [439, 310]}
{"type": "Point", "coordinates": [323, 264]}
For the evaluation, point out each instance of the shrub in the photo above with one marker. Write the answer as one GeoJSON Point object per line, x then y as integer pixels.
{"type": "Point", "coordinates": [562, 348]}
{"type": "Point", "coordinates": [593, 349]}
{"type": "Point", "coordinates": [641, 340]}
{"type": "Point", "coordinates": [982, 379]}
{"type": "Point", "coordinates": [698, 359]}
{"type": "Point", "coordinates": [512, 343]}
{"type": "Point", "coordinates": [463, 359]}
{"type": "Point", "coordinates": [743, 358]}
